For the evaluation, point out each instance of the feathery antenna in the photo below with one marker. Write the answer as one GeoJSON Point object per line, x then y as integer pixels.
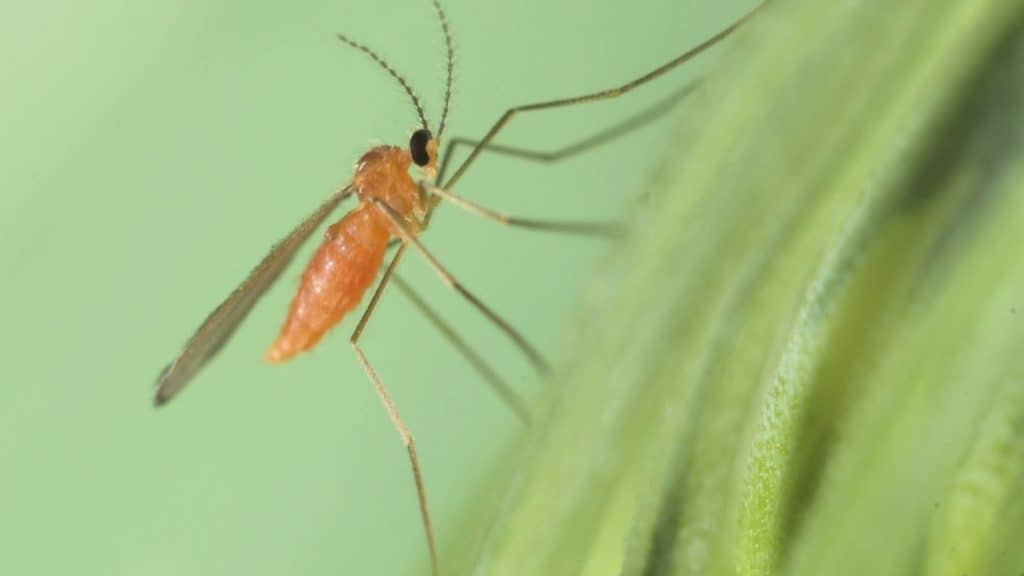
{"type": "Point", "coordinates": [387, 67]}
{"type": "Point", "coordinates": [451, 56]}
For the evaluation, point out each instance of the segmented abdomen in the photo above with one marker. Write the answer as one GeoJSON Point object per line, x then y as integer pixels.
{"type": "Point", "coordinates": [334, 281]}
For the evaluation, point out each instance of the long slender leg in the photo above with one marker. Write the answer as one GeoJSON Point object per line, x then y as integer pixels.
{"type": "Point", "coordinates": [504, 391]}
{"type": "Point", "coordinates": [550, 156]}
{"type": "Point", "coordinates": [592, 97]}
{"type": "Point", "coordinates": [389, 405]}
{"type": "Point", "coordinates": [563, 226]}
{"type": "Point", "coordinates": [409, 238]}
{"type": "Point", "coordinates": [635, 122]}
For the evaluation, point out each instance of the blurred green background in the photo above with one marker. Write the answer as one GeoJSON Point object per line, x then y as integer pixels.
{"type": "Point", "coordinates": [152, 152]}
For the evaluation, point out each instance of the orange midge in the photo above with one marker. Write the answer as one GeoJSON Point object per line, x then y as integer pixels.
{"type": "Point", "coordinates": [393, 209]}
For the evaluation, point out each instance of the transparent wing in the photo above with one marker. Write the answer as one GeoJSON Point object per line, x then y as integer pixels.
{"type": "Point", "coordinates": [221, 323]}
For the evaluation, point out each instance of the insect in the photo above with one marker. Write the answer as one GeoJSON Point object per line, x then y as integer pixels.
{"type": "Point", "coordinates": [393, 209]}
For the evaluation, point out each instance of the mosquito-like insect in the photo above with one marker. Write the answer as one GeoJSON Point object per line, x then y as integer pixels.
{"type": "Point", "coordinates": [394, 208]}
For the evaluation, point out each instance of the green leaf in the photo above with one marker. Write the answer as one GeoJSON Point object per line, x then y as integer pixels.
{"type": "Point", "coordinates": [807, 357]}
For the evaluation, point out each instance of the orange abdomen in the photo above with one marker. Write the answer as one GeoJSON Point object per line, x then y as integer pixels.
{"type": "Point", "coordinates": [334, 281]}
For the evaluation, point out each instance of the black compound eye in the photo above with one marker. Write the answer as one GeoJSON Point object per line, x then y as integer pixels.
{"type": "Point", "coordinates": [418, 146]}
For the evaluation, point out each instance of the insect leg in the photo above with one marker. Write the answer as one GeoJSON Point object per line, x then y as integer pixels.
{"type": "Point", "coordinates": [409, 238]}
{"type": "Point", "coordinates": [594, 96]}
{"type": "Point", "coordinates": [389, 405]}
{"type": "Point", "coordinates": [563, 226]}
{"type": "Point", "coordinates": [635, 122]}
{"type": "Point", "coordinates": [504, 391]}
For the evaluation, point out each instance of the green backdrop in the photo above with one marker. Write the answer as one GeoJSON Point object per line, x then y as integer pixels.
{"type": "Point", "coordinates": [153, 151]}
